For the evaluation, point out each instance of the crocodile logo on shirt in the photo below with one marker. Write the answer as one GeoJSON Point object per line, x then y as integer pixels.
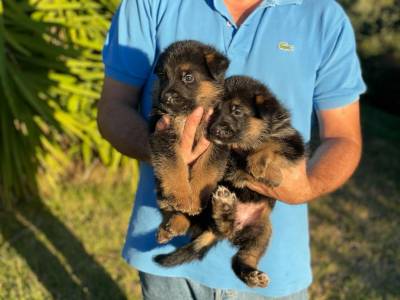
{"type": "Point", "coordinates": [285, 46]}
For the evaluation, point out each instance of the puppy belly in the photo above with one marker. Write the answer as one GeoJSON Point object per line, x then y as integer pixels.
{"type": "Point", "coordinates": [248, 213]}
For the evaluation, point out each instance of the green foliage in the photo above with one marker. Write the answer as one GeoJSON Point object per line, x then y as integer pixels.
{"type": "Point", "coordinates": [377, 26]}
{"type": "Point", "coordinates": [25, 113]}
{"type": "Point", "coordinates": [51, 76]}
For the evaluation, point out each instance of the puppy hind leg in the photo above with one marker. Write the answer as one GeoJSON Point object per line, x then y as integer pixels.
{"type": "Point", "coordinates": [246, 260]}
{"type": "Point", "coordinates": [196, 249]}
{"type": "Point", "coordinates": [173, 224]}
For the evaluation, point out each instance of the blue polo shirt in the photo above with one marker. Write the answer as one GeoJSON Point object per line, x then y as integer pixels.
{"type": "Point", "coordinates": [304, 51]}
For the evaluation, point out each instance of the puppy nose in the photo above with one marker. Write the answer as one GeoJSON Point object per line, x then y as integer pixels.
{"type": "Point", "coordinates": [169, 97]}
{"type": "Point", "coordinates": [222, 131]}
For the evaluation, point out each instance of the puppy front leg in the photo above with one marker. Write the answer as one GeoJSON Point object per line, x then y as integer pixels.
{"type": "Point", "coordinates": [206, 171]}
{"type": "Point", "coordinates": [265, 165]}
{"type": "Point", "coordinates": [173, 174]}
{"type": "Point", "coordinates": [171, 171]}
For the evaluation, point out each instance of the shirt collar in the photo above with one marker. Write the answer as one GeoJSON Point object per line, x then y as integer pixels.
{"type": "Point", "coordinates": [265, 3]}
{"type": "Point", "coordinates": [269, 3]}
{"type": "Point", "coordinates": [219, 5]}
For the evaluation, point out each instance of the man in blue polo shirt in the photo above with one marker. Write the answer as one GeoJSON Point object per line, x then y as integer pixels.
{"type": "Point", "coordinates": [304, 51]}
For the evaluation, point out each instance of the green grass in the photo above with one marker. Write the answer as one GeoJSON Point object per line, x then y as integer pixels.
{"type": "Point", "coordinates": [355, 231]}
{"type": "Point", "coordinates": [68, 246]}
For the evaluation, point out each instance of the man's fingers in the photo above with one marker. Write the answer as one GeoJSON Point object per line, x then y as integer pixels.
{"type": "Point", "coordinates": [163, 123]}
{"type": "Point", "coordinates": [201, 146]}
{"type": "Point", "coordinates": [189, 130]}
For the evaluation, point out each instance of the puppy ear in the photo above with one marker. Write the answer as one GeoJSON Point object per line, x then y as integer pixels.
{"type": "Point", "coordinates": [265, 103]}
{"type": "Point", "coordinates": [217, 64]}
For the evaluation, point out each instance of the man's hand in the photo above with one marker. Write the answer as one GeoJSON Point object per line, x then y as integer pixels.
{"type": "Point", "coordinates": [295, 187]}
{"type": "Point", "coordinates": [332, 164]}
{"type": "Point", "coordinates": [189, 154]}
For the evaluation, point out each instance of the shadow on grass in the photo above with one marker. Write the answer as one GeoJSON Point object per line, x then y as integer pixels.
{"type": "Point", "coordinates": [56, 256]}
{"type": "Point", "coordinates": [355, 231]}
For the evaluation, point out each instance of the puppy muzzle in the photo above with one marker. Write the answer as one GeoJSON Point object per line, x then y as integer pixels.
{"type": "Point", "coordinates": [221, 132]}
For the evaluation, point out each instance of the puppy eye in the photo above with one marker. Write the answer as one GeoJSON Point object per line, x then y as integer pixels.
{"type": "Point", "coordinates": [187, 78]}
{"type": "Point", "coordinates": [236, 111]}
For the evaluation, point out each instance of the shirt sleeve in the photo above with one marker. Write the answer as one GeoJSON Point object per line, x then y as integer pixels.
{"type": "Point", "coordinates": [129, 48]}
{"type": "Point", "coordinates": [338, 81]}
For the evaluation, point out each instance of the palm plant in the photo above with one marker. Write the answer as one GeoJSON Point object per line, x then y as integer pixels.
{"type": "Point", "coordinates": [25, 58]}
{"type": "Point", "coordinates": [50, 79]}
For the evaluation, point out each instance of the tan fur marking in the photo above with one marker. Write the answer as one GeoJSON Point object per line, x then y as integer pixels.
{"type": "Point", "coordinates": [207, 94]}
{"type": "Point", "coordinates": [236, 101]}
{"type": "Point", "coordinates": [252, 136]}
{"type": "Point", "coordinates": [204, 240]}
{"type": "Point", "coordinates": [210, 57]}
{"type": "Point", "coordinates": [260, 99]}
{"type": "Point", "coordinates": [185, 67]}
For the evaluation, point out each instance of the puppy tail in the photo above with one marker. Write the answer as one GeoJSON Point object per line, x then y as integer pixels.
{"type": "Point", "coordinates": [196, 249]}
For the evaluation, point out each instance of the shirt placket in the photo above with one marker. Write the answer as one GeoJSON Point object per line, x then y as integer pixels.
{"type": "Point", "coordinates": [238, 39]}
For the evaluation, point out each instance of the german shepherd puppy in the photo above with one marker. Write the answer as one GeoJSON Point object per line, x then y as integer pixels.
{"type": "Point", "coordinates": [257, 129]}
{"type": "Point", "coordinates": [190, 74]}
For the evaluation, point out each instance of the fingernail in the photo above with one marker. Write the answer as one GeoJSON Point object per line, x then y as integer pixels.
{"type": "Point", "coordinates": [198, 112]}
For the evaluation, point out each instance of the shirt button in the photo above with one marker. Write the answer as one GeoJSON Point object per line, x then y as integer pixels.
{"type": "Point", "coordinates": [228, 24]}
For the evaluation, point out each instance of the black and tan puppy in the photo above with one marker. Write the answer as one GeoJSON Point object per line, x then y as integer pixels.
{"type": "Point", "coordinates": [190, 74]}
{"type": "Point", "coordinates": [257, 129]}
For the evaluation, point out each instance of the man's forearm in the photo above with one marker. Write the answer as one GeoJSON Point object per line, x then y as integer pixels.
{"type": "Point", "coordinates": [126, 130]}
{"type": "Point", "coordinates": [332, 164]}
{"type": "Point", "coordinates": [119, 121]}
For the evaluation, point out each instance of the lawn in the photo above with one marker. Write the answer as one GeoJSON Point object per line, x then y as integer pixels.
{"type": "Point", "coordinates": [68, 245]}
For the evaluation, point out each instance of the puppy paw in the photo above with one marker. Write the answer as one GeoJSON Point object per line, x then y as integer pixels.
{"type": "Point", "coordinates": [256, 279]}
{"type": "Point", "coordinates": [173, 225]}
{"type": "Point", "coordinates": [183, 205]}
{"type": "Point", "coordinates": [164, 236]}
{"type": "Point", "coordinates": [223, 200]}
{"type": "Point", "coordinates": [164, 204]}
{"type": "Point", "coordinates": [167, 232]}
{"type": "Point", "coordinates": [271, 182]}
{"type": "Point", "coordinates": [258, 169]}
{"type": "Point", "coordinates": [269, 175]}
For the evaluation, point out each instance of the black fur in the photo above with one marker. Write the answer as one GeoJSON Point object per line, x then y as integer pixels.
{"type": "Point", "coordinates": [256, 127]}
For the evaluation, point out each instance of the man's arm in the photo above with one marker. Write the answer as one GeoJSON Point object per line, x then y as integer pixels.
{"type": "Point", "coordinates": [121, 124]}
{"type": "Point", "coordinates": [332, 164]}
{"type": "Point", "coordinates": [119, 121]}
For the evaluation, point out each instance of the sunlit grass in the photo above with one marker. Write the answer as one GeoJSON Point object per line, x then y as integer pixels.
{"type": "Point", "coordinates": [68, 246]}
